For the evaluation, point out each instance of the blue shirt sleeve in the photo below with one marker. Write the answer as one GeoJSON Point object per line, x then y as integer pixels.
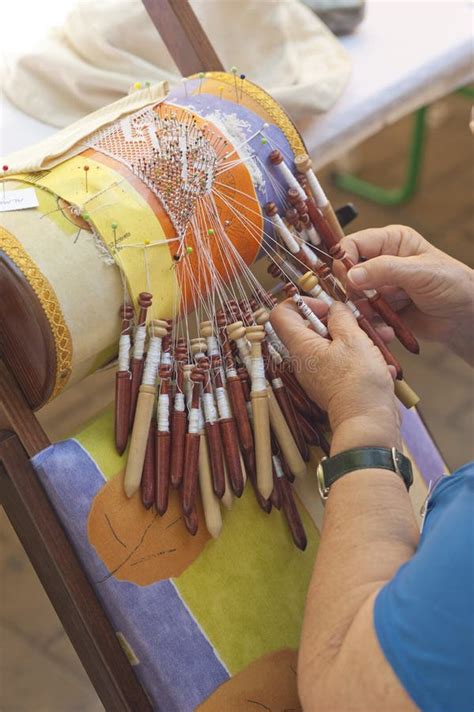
{"type": "Point", "coordinates": [424, 616]}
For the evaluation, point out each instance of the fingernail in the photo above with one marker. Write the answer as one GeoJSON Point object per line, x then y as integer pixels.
{"type": "Point", "coordinates": [358, 275]}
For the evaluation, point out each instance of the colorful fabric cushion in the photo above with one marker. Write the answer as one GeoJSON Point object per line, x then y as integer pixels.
{"type": "Point", "coordinates": [207, 624]}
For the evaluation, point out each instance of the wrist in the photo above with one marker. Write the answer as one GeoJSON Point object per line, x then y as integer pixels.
{"type": "Point", "coordinates": [380, 428]}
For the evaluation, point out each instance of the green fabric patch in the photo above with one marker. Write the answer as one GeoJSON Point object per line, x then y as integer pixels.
{"type": "Point", "coordinates": [223, 587]}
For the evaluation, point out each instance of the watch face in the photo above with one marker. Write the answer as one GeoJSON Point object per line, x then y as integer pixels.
{"type": "Point", "coordinates": [323, 490]}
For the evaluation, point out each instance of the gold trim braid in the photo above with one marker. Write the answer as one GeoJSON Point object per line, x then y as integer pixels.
{"type": "Point", "coordinates": [276, 112]}
{"type": "Point", "coordinates": [50, 304]}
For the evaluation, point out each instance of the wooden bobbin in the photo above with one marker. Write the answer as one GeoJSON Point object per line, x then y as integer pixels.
{"type": "Point", "coordinates": [292, 514]}
{"type": "Point", "coordinates": [214, 440]}
{"type": "Point", "coordinates": [229, 436]}
{"type": "Point", "coordinates": [284, 437]}
{"type": "Point", "coordinates": [228, 497]}
{"type": "Point", "coordinates": [210, 503]}
{"type": "Point", "coordinates": [123, 389]}
{"type": "Point", "coordinates": [191, 455]}
{"type": "Point", "coordinates": [148, 476]}
{"type": "Point", "coordinates": [163, 449]}
{"type": "Point", "coordinates": [261, 422]}
{"type": "Point", "coordinates": [381, 306]}
{"type": "Point", "coordinates": [286, 407]}
{"type": "Point", "coordinates": [406, 394]}
{"type": "Point", "coordinates": [303, 164]}
{"type": "Point", "coordinates": [250, 464]}
{"type": "Point", "coordinates": [191, 522]}
{"type": "Point", "coordinates": [138, 443]}
{"type": "Point", "coordinates": [178, 423]}
{"type": "Point", "coordinates": [136, 366]}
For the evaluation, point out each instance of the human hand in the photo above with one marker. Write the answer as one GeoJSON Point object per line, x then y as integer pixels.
{"type": "Point", "coordinates": [433, 292]}
{"type": "Point", "coordinates": [346, 376]}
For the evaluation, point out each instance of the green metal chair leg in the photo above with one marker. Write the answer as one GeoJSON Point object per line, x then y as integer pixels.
{"type": "Point", "coordinates": [394, 196]}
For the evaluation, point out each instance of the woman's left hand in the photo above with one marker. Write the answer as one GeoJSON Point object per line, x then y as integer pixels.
{"type": "Point", "coordinates": [346, 376]}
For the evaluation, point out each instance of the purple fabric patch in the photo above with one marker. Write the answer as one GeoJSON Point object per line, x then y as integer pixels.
{"type": "Point", "coordinates": [421, 446]}
{"type": "Point", "coordinates": [206, 104]}
{"type": "Point", "coordinates": [178, 667]}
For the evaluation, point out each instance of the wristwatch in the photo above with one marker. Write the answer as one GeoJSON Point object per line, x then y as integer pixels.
{"type": "Point", "coordinates": [330, 469]}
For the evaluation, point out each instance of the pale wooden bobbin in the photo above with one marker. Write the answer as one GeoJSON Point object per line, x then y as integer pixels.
{"type": "Point", "coordinates": [284, 437]}
{"type": "Point", "coordinates": [260, 412]}
{"type": "Point", "coordinates": [144, 413]}
{"type": "Point", "coordinates": [406, 394]}
{"type": "Point", "coordinates": [210, 503]}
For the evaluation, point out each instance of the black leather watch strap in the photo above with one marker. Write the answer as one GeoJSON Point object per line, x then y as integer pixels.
{"type": "Point", "coordinates": [363, 458]}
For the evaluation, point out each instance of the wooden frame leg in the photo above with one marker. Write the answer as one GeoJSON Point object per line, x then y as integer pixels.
{"type": "Point", "coordinates": [65, 581]}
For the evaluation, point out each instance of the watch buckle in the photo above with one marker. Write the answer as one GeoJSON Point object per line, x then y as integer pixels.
{"type": "Point", "coordinates": [396, 466]}
{"type": "Point", "coordinates": [323, 490]}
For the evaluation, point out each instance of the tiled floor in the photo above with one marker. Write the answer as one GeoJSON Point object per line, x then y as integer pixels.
{"type": "Point", "coordinates": [39, 669]}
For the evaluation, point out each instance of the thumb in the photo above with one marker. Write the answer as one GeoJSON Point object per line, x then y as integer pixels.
{"type": "Point", "coordinates": [385, 271]}
{"type": "Point", "coordinates": [342, 324]}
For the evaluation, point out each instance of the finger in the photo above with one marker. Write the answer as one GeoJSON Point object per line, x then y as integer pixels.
{"type": "Point", "coordinates": [292, 328]}
{"type": "Point", "coordinates": [342, 324]}
{"type": "Point", "coordinates": [386, 271]}
{"type": "Point", "coordinates": [396, 240]}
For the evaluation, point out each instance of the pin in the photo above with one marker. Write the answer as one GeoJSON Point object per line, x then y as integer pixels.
{"type": "Point", "coordinates": [137, 85]}
{"type": "Point", "coordinates": [201, 77]}
{"type": "Point", "coordinates": [114, 227]}
{"type": "Point", "coordinates": [86, 170]}
{"type": "Point", "coordinates": [4, 169]}
{"type": "Point", "coordinates": [242, 77]}
{"type": "Point", "coordinates": [148, 86]}
{"type": "Point", "coordinates": [77, 236]}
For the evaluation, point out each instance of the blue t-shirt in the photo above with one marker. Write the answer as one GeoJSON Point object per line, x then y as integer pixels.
{"type": "Point", "coordinates": [424, 617]}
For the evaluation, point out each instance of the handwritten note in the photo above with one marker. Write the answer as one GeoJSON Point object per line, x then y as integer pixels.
{"type": "Point", "coordinates": [17, 199]}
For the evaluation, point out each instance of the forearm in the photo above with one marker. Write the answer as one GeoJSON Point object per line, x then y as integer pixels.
{"type": "Point", "coordinates": [369, 531]}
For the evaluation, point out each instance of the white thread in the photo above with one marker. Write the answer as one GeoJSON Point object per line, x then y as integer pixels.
{"type": "Point", "coordinates": [289, 240]}
{"type": "Point", "coordinates": [244, 351]}
{"type": "Point", "coordinates": [231, 372]}
{"type": "Point", "coordinates": [275, 356]}
{"type": "Point", "coordinates": [212, 346]}
{"type": "Point", "coordinates": [320, 294]}
{"type": "Point", "coordinates": [124, 353]}
{"type": "Point", "coordinates": [276, 342]}
{"type": "Point", "coordinates": [278, 468]}
{"type": "Point", "coordinates": [152, 361]}
{"type": "Point", "coordinates": [258, 374]}
{"type": "Point", "coordinates": [194, 418]}
{"type": "Point", "coordinates": [139, 341]}
{"type": "Point", "coordinates": [353, 308]}
{"type": "Point", "coordinates": [290, 179]}
{"type": "Point", "coordinates": [310, 255]}
{"type": "Point", "coordinates": [199, 355]}
{"type": "Point", "coordinates": [312, 235]}
{"type": "Point", "coordinates": [166, 359]}
{"type": "Point", "coordinates": [223, 404]}
{"type": "Point", "coordinates": [201, 420]}
{"type": "Point", "coordinates": [179, 403]}
{"type": "Point", "coordinates": [163, 413]}
{"type": "Point", "coordinates": [316, 323]}
{"type": "Point", "coordinates": [210, 411]}
{"type": "Point", "coordinates": [277, 383]}
{"type": "Point", "coordinates": [315, 186]}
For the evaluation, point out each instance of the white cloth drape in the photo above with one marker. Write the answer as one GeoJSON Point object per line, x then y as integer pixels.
{"type": "Point", "coordinates": [105, 47]}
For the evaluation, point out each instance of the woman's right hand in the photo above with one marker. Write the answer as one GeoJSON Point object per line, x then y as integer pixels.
{"type": "Point", "coordinates": [434, 292]}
